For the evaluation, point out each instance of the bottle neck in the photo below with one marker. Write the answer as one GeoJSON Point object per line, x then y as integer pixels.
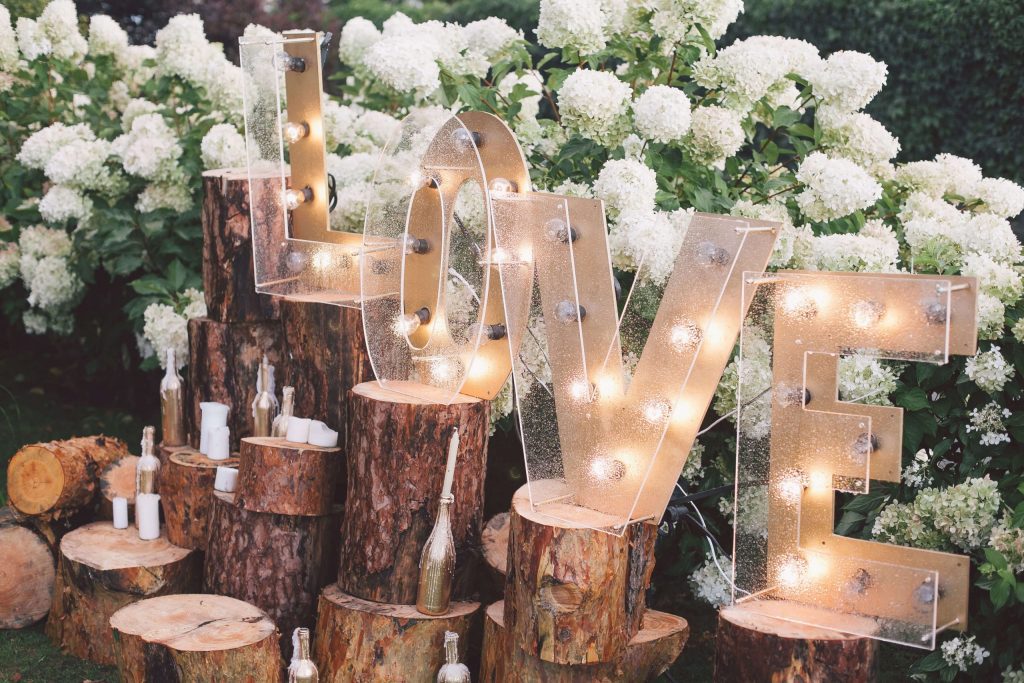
{"type": "Point", "coordinates": [303, 644]}
{"type": "Point", "coordinates": [444, 504]}
{"type": "Point", "coordinates": [288, 405]}
{"type": "Point", "coordinates": [451, 647]}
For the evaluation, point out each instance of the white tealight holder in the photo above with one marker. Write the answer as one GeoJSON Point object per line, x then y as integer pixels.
{"type": "Point", "coordinates": [213, 415]}
{"type": "Point", "coordinates": [227, 479]}
{"type": "Point", "coordinates": [298, 429]}
{"type": "Point", "coordinates": [220, 444]}
{"type": "Point", "coordinates": [120, 512]}
{"type": "Point", "coordinates": [322, 435]}
{"type": "Point", "coordinates": [147, 515]}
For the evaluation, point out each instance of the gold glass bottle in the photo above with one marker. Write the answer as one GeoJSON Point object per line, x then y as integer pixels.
{"type": "Point", "coordinates": [437, 564]}
{"type": "Point", "coordinates": [147, 471]}
{"type": "Point", "coordinates": [263, 405]}
{"type": "Point", "coordinates": [280, 426]}
{"type": "Point", "coordinates": [172, 405]}
{"type": "Point", "coordinates": [302, 669]}
{"type": "Point", "coordinates": [452, 671]}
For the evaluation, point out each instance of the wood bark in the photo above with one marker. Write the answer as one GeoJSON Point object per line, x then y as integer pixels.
{"type": "Point", "coordinates": [225, 361]}
{"type": "Point", "coordinates": [648, 654]}
{"type": "Point", "coordinates": [275, 475]}
{"type": "Point", "coordinates": [396, 460]}
{"type": "Point", "coordinates": [754, 647]}
{"type": "Point", "coordinates": [27, 573]}
{"type": "Point", "coordinates": [164, 452]}
{"type": "Point", "coordinates": [186, 489]}
{"type": "Point", "coordinates": [494, 544]}
{"type": "Point", "coordinates": [228, 277]}
{"type": "Point", "coordinates": [358, 641]}
{"type": "Point", "coordinates": [574, 595]}
{"type": "Point", "coordinates": [326, 352]}
{"type": "Point", "coordinates": [117, 479]}
{"type": "Point", "coordinates": [102, 569]}
{"type": "Point", "coordinates": [59, 478]}
{"type": "Point", "coordinates": [277, 562]}
{"type": "Point", "coordinates": [179, 638]}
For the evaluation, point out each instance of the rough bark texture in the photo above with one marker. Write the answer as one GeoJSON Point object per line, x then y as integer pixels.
{"type": "Point", "coordinates": [326, 353]}
{"type": "Point", "coordinates": [277, 562]}
{"type": "Point", "coordinates": [225, 361]}
{"type": "Point", "coordinates": [754, 647]}
{"type": "Point", "coordinates": [27, 572]}
{"type": "Point", "coordinates": [102, 569]}
{"type": "Point", "coordinates": [494, 541]}
{"type": "Point", "coordinates": [117, 479]}
{"type": "Point", "coordinates": [186, 489]}
{"type": "Point", "coordinates": [362, 641]}
{"type": "Point", "coordinates": [396, 460]}
{"type": "Point", "coordinates": [574, 595]}
{"type": "Point", "coordinates": [59, 478]}
{"type": "Point", "coordinates": [275, 475]}
{"type": "Point", "coordinates": [649, 653]}
{"type": "Point", "coordinates": [228, 278]}
{"type": "Point", "coordinates": [164, 452]}
{"type": "Point", "coordinates": [179, 638]}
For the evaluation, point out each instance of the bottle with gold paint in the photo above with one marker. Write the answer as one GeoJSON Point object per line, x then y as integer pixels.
{"type": "Point", "coordinates": [302, 669]}
{"type": "Point", "coordinates": [437, 563]}
{"type": "Point", "coordinates": [452, 671]}
{"type": "Point", "coordinates": [172, 405]}
{"type": "Point", "coordinates": [263, 405]}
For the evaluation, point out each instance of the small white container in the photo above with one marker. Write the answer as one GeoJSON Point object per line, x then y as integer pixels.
{"type": "Point", "coordinates": [220, 444]}
{"type": "Point", "coordinates": [120, 512]}
{"type": "Point", "coordinates": [322, 435]}
{"type": "Point", "coordinates": [227, 479]}
{"type": "Point", "coordinates": [298, 430]}
{"type": "Point", "coordinates": [147, 515]}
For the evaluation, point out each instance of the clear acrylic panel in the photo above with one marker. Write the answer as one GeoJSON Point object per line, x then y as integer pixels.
{"type": "Point", "coordinates": [798, 443]}
{"type": "Point", "coordinates": [605, 431]}
{"type": "Point", "coordinates": [322, 267]}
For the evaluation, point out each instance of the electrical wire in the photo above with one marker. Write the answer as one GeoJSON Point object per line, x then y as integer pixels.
{"type": "Point", "coordinates": [712, 542]}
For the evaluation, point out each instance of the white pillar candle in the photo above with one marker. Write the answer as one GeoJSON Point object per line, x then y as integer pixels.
{"type": "Point", "coordinates": [227, 478]}
{"type": "Point", "coordinates": [322, 435]}
{"type": "Point", "coordinates": [213, 415]}
{"type": "Point", "coordinates": [219, 444]}
{"type": "Point", "coordinates": [298, 429]}
{"type": "Point", "coordinates": [147, 515]}
{"type": "Point", "coordinates": [120, 512]}
{"type": "Point", "coordinates": [449, 471]}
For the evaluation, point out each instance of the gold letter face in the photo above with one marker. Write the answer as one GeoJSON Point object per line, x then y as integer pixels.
{"type": "Point", "coordinates": [798, 444]}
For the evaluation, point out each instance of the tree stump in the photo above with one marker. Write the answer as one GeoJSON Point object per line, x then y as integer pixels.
{"type": "Point", "coordinates": [494, 541]}
{"type": "Point", "coordinates": [186, 491]}
{"type": "Point", "coordinates": [178, 638]}
{"type": "Point", "coordinates": [164, 452]}
{"type": "Point", "coordinates": [751, 646]}
{"type": "Point", "coordinates": [27, 572]}
{"type": "Point", "coordinates": [102, 569]}
{"type": "Point", "coordinates": [59, 478]}
{"type": "Point", "coordinates": [574, 595]}
{"type": "Point", "coordinates": [229, 281]}
{"type": "Point", "coordinates": [397, 450]}
{"type": "Point", "coordinates": [277, 562]}
{"type": "Point", "coordinates": [118, 479]}
{"type": "Point", "coordinates": [225, 360]}
{"type": "Point", "coordinates": [359, 640]}
{"type": "Point", "coordinates": [649, 653]}
{"type": "Point", "coordinates": [275, 475]}
{"type": "Point", "coordinates": [326, 353]}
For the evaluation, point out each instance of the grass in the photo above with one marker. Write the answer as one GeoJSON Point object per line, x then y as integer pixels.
{"type": "Point", "coordinates": [27, 656]}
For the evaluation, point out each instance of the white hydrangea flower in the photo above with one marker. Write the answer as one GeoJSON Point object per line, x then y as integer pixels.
{"type": "Point", "coordinates": [991, 316]}
{"type": "Point", "coordinates": [40, 147]}
{"type": "Point", "coordinates": [986, 233]}
{"type": "Point", "coordinates": [1018, 330]}
{"type": "Point", "coordinates": [596, 104]}
{"type": "Point", "coordinates": [32, 42]}
{"type": "Point", "coordinates": [135, 64]}
{"type": "Point", "coordinates": [1011, 675]}
{"type": "Point", "coordinates": [626, 184]}
{"type": "Point", "coordinates": [750, 69]}
{"type": "Point", "coordinates": [927, 177]}
{"type": "Point", "coordinates": [960, 516]}
{"type": "Point", "coordinates": [789, 235]}
{"type": "Point", "coordinates": [916, 475]}
{"type": "Point", "coordinates": [82, 164]}
{"type": "Point", "coordinates": [834, 188]}
{"type": "Point", "coordinates": [8, 42]}
{"type": "Point", "coordinates": [357, 36]}
{"type": "Point", "coordinates": [856, 136]}
{"type": "Point", "coordinates": [164, 195]}
{"type": "Point", "coordinates": [990, 422]}
{"type": "Point", "coordinates": [693, 469]}
{"type": "Point", "coordinates": [10, 263]}
{"type": "Point", "coordinates": [404, 64]}
{"type": "Point", "coordinates": [994, 277]}
{"type": "Point", "coordinates": [135, 108]}
{"type": "Point", "coordinates": [756, 377]}
{"type": "Point", "coordinates": [165, 329]}
{"type": "Point", "coordinates": [963, 652]}
{"type": "Point", "coordinates": [182, 50]}
{"type": "Point", "coordinates": [675, 19]}
{"type": "Point", "coordinates": [41, 322]}
{"type": "Point", "coordinates": [223, 147]}
{"type": "Point", "coordinates": [338, 121]}
{"type": "Point", "coordinates": [581, 25]}
{"type": "Point", "coordinates": [572, 188]}
{"type": "Point", "coordinates": [150, 149]}
{"type": "Point", "coordinates": [648, 242]}
{"type": "Point", "coordinates": [50, 282]}
{"type": "Point", "coordinates": [875, 249]}
{"type": "Point", "coordinates": [195, 303]}
{"type": "Point", "coordinates": [847, 80]}
{"type": "Point", "coordinates": [350, 212]}
{"type": "Point", "coordinates": [662, 114]}
{"type": "Point", "coordinates": [373, 130]}
{"type": "Point", "coordinates": [708, 584]}
{"type": "Point", "coordinates": [354, 168]}
{"type": "Point", "coordinates": [491, 37]}
{"type": "Point", "coordinates": [1009, 540]}
{"type": "Point", "coordinates": [62, 203]}
{"type": "Point", "coordinates": [38, 242]}
{"type": "Point", "coordinates": [999, 196]}
{"type": "Point", "coordinates": [989, 370]}
{"type": "Point", "coordinates": [529, 105]}
{"type": "Point", "coordinates": [716, 133]}
{"type": "Point", "coordinates": [107, 38]}
{"type": "Point", "coordinates": [864, 379]}
{"type": "Point", "coordinates": [962, 175]}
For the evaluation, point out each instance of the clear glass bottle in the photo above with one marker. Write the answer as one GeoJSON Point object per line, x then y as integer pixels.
{"type": "Point", "coordinates": [302, 669]}
{"type": "Point", "coordinates": [280, 426]}
{"type": "Point", "coordinates": [263, 404]}
{"type": "Point", "coordinates": [437, 564]}
{"type": "Point", "coordinates": [147, 471]}
{"type": "Point", "coordinates": [452, 671]}
{"type": "Point", "coordinates": [172, 405]}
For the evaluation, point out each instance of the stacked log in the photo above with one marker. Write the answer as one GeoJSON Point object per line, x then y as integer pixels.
{"type": "Point", "coordinates": [28, 571]}
{"type": "Point", "coordinates": [186, 487]}
{"type": "Point", "coordinates": [275, 475]}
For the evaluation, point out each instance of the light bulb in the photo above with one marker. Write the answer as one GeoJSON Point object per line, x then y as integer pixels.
{"type": "Point", "coordinates": [865, 313]}
{"type": "Point", "coordinates": [568, 312]}
{"type": "Point", "coordinates": [607, 385]}
{"type": "Point", "coordinates": [555, 230]}
{"type": "Point", "coordinates": [710, 254]}
{"type": "Point", "coordinates": [936, 313]}
{"type": "Point", "coordinates": [410, 322]}
{"type": "Point", "coordinates": [442, 369]}
{"type": "Point", "coordinates": [293, 132]}
{"type": "Point", "coordinates": [657, 411]}
{"type": "Point", "coordinates": [293, 197]}
{"type": "Point", "coordinates": [295, 261]}
{"type": "Point", "coordinates": [865, 445]}
{"type": "Point", "coordinates": [684, 335]}
{"type": "Point", "coordinates": [799, 303]}
{"type": "Point", "coordinates": [288, 63]}
{"type": "Point", "coordinates": [817, 566]}
{"type": "Point", "coordinates": [608, 469]}
{"type": "Point", "coordinates": [486, 333]}
{"type": "Point", "coordinates": [790, 488]}
{"type": "Point", "coordinates": [819, 481]}
{"type": "Point", "coordinates": [791, 571]}
{"type": "Point", "coordinates": [465, 140]}
{"type": "Point", "coordinates": [503, 186]}
{"type": "Point", "coordinates": [580, 390]}
{"type": "Point", "coordinates": [322, 260]}
{"type": "Point", "coordinates": [792, 397]}
{"type": "Point", "coordinates": [414, 245]}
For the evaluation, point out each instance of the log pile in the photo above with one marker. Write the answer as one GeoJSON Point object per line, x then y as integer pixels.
{"type": "Point", "coordinates": [186, 485]}
{"type": "Point", "coordinates": [27, 577]}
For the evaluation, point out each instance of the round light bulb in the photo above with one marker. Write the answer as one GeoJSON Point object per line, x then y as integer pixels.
{"type": "Point", "coordinates": [657, 411]}
{"type": "Point", "coordinates": [684, 335]}
{"type": "Point", "coordinates": [568, 312]}
{"type": "Point", "coordinates": [936, 313]}
{"type": "Point", "coordinates": [791, 572]}
{"type": "Point", "coordinates": [293, 197]}
{"type": "Point", "coordinates": [465, 140]}
{"type": "Point", "coordinates": [486, 333]}
{"type": "Point", "coordinates": [293, 132]}
{"type": "Point", "coordinates": [295, 261]}
{"type": "Point", "coordinates": [790, 488]}
{"type": "Point", "coordinates": [322, 260]}
{"type": "Point", "coordinates": [709, 253]}
{"type": "Point", "coordinates": [556, 230]}
{"type": "Point", "coordinates": [608, 469]}
{"type": "Point", "coordinates": [864, 314]}
{"type": "Point", "coordinates": [410, 322]}
{"type": "Point", "coordinates": [580, 390]}
{"type": "Point", "coordinates": [799, 303]}
{"type": "Point", "coordinates": [503, 186]}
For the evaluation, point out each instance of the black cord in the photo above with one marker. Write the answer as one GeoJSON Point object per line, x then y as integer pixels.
{"type": "Point", "coordinates": [332, 192]}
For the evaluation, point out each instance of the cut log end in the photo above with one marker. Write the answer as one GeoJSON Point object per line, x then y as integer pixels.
{"type": "Point", "coordinates": [26, 578]}
{"type": "Point", "coordinates": [35, 480]}
{"type": "Point", "coordinates": [118, 479]}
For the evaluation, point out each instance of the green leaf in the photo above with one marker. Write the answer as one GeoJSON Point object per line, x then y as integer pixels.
{"type": "Point", "coordinates": [911, 398]}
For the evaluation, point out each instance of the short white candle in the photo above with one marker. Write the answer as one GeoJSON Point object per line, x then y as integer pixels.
{"type": "Point", "coordinates": [213, 415]}
{"type": "Point", "coordinates": [322, 435]}
{"type": "Point", "coordinates": [227, 478]}
{"type": "Point", "coordinates": [147, 515]}
{"type": "Point", "coordinates": [298, 429]}
{"type": "Point", "coordinates": [220, 444]}
{"type": "Point", "coordinates": [449, 471]}
{"type": "Point", "coordinates": [120, 512]}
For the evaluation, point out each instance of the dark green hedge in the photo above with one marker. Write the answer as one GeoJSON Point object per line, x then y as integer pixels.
{"type": "Point", "coordinates": [956, 68]}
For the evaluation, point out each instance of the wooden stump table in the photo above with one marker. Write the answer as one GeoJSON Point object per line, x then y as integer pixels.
{"type": "Point", "coordinates": [364, 641]}
{"type": "Point", "coordinates": [751, 646]}
{"type": "Point", "coordinates": [275, 475]}
{"type": "Point", "coordinates": [103, 569]}
{"type": "Point", "coordinates": [179, 638]}
{"type": "Point", "coordinates": [648, 653]}
{"type": "Point", "coordinates": [186, 491]}
{"type": "Point", "coordinates": [27, 572]}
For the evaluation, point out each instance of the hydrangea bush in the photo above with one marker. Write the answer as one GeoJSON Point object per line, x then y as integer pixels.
{"type": "Point", "coordinates": [632, 103]}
